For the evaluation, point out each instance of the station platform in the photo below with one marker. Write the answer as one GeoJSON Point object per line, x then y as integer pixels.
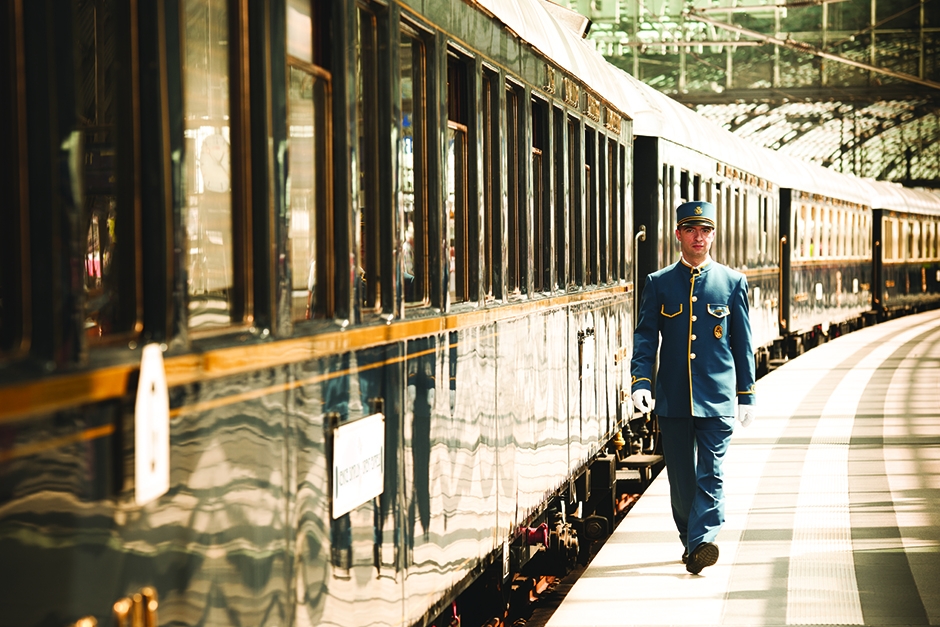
{"type": "Point", "coordinates": [833, 503]}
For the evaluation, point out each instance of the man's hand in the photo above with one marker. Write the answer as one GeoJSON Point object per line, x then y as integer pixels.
{"type": "Point", "coordinates": [643, 401]}
{"type": "Point", "coordinates": [746, 414]}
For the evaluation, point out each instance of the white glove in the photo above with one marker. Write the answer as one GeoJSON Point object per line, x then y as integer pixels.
{"type": "Point", "coordinates": [643, 401]}
{"type": "Point", "coordinates": [746, 414]}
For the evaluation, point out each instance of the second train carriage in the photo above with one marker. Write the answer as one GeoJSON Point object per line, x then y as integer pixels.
{"type": "Point", "coordinates": [826, 253]}
{"type": "Point", "coordinates": [801, 233]}
{"type": "Point", "coordinates": [412, 217]}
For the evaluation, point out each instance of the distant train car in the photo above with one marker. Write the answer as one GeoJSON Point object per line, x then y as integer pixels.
{"type": "Point", "coordinates": [802, 234]}
{"type": "Point", "coordinates": [906, 250]}
{"type": "Point", "coordinates": [313, 313]}
{"type": "Point", "coordinates": [826, 253]}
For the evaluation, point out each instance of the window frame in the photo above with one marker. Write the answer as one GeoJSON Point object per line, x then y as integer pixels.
{"type": "Point", "coordinates": [491, 274]}
{"type": "Point", "coordinates": [421, 151]}
{"type": "Point", "coordinates": [371, 223]}
{"type": "Point", "coordinates": [463, 282]}
{"type": "Point", "coordinates": [591, 216]}
{"type": "Point", "coordinates": [575, 206]}
{"type": "Point", "coordinates": [517, 159]}
{"type": "Point", "coordinates": [241, 305]}
{"type": "Point", "coordinates": [14, 240]}
{"type": "Point", "coordinates": [541, 154]}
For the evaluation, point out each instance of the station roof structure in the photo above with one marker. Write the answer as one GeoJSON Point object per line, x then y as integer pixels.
{"type": "Point", "coordinates": [853, 85]}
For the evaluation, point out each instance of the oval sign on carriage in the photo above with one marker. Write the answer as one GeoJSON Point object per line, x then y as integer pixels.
{"type": "Point", "coordinates": [358, 463]}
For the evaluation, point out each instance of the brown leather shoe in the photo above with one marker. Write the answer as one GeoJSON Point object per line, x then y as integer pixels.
{"type": "Point", "coordinates": [705, 554]}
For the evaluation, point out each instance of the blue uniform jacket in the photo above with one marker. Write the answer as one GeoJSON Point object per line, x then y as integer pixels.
{"type": "Point", "coordinates": [706, 359]}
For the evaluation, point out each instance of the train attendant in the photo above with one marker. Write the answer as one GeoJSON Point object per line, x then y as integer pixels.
{"type": "Point", "coordinates": [698, 309]}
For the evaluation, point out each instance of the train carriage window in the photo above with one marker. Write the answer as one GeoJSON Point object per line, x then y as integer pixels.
{"type": "Point", "coordinates": [461, 241]}
{"type": "Point", "coordinates": [802, 239]}
{"type": "Point", "coordinates": [210, 256]}
{"type": "Point", "coordinates": [110, 258]}
{"type": "Point", "coordinates": [905, 240]}
{"type": "Point", "coordinates": [491, 189]}
{"type": "Point", "coordinates": [742, 225]}
{"type": "Point", "coordinates": [575, 218]}
{"type": "Point", "coordinates": [843, 232]}
{"type": "Point", "coordinates": [739, 228]}
{"type": "Point", "coordinates": [14, 277]}
{"type": "Point", "coordinates": [860, 249]}
{"type": "Point", "coordinates": [541, 198]}
{"type": "Point", "coordinates": [925, 239]}
{"type": "Point", "coordinates": [668, 218]}
{"type": "Point", "coordinates": [309, 164]}
{"type": "Point", "coordinates": [625, 230]}
{"type": "Point", "coordinates": [308, 112]}
{"type": "Point", "coordinates": [731, 231]}
{"type": "Point", "coordinates": [414, 167]}
{"type": "Point", "coordinates": [935, 233]}
{"type": "Point", "coordinates": [720, 235]}
{"type": "Point", "coordinates": [813, 231]}
{"type": "Point", "coordinates": [717, 200]}
{"type": "Point", "coordinates": [856, 234]}
{"type": "Point", "coordinates": [516, 196]}
{"type": "Point", "coordinates": [760, 226]}
{"type": "Point", "coordinates": [560, 190]}
{"type": "Point", "coordinates": [728, 225]}
{"type": "Point", "coordinates": [372, 221]}
{"type": "Point", "coordinates": [808, 226]}
{"type": "Point", "coordinates": [888, 243]}
{"type": "Point", "coordinates": [766, 256]}
{"type": "Point", "coordinates": [935, 230]}
{"type": "Point", "coordinates": [838, 240]}
{"type": "Point", "coordinates": [845, 236]}
{"type": "Point", "coordinates": [752, 217]}
{"type": "Point", "coordinates": [932, 240]}
{"type": "Point", "coordinates": [850, 232]}
{"type": "Point", "coordinates": [614, 224]}
{"type": "Point", "coordinates": [590, 208]}
{"type": "Point", "coordinates": [601, 213]}
{"type": "Point", "coordinates": [665, 236]}
{"type": "Point", "coordinates": [892, 248]}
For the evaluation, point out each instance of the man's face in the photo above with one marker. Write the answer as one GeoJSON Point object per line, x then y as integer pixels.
{"type": "Point", "coordinates": [695, 242]}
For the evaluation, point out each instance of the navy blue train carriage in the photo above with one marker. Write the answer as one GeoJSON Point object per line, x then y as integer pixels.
{"type": "Point", "coordinates": [313, 313]}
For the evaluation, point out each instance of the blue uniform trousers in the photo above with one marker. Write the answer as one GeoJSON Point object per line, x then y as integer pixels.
{"type": "Point", "coordinates": [694, 449]}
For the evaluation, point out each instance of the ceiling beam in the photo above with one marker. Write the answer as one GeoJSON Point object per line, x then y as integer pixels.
{"type": "Point", "coordinates": [860, 96]}
{"type": "Point", "coordinates": [809, 49]}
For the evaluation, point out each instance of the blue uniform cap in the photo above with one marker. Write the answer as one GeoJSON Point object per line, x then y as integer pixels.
{"type": "Point", "coordinates": [697, 212]}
